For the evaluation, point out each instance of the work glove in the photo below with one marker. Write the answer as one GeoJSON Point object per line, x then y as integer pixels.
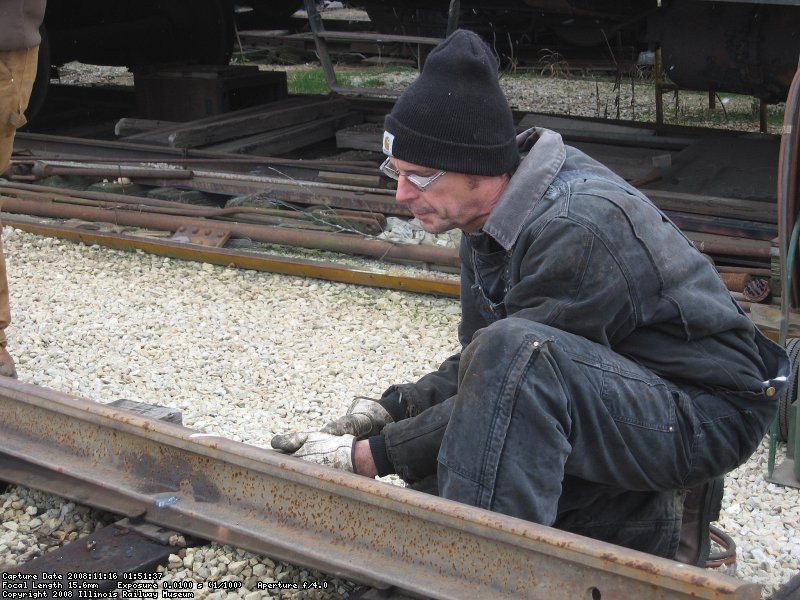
{"type": "Point", "coordinates": [322, 448]}
{"type": "Point", "coordinates": [365, 418]}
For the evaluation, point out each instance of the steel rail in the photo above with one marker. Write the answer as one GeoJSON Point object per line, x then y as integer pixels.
{"type": "Point", "coordinates": [342, 524]}
{"type": "Point", "coordinates": [328, 271]}
{"type": "Point", "coordinates": [13, 202]}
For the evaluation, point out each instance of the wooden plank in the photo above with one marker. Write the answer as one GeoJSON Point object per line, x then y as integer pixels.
{"type": "Point", "coordinates": [161, 135]}
{"type": "Point", "coordinates": [116, 549]}
{"type": "Point", "coordinates": [734, 208]}
{"type": "Point", "coordinates": [231, 127]}
{"type": "Point", "coordinates": [364, 136]}
{"type": "Point", "coordinates": [288, 139]}
{"type": "Point", "coordinates": [768, 317]}
{"type": "Point", "coordinates": [254, 119]}
{"type": "Point", "coordinates": [127, 126]}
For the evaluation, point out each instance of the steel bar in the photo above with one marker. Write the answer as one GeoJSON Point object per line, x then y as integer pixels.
{"type": "Point", "coordinates": [311, 218]}
{"type": "Point", "coordinates": [335, 242]}
{"type": "Point", "coordinates": [342, 524]}
{"type": "Point", "coordinates": [437, 286]}
{"type": "Point", "coordinates": [44, 169]}
{"type": "Point", "coordinates": [709, 243]}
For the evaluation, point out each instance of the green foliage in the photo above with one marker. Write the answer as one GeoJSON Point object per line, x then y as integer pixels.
{"type": "Point", "coordinates": [311, 81]}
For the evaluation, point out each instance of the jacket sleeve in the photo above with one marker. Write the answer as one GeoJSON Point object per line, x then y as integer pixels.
{"type": "Point", "coordinates": [406, 400]}
{"type": "Point", "coordinates": [410, 445]}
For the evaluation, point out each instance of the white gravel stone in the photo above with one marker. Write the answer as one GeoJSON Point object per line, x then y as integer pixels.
{"type": "Point", "coordinates": [246, 355]}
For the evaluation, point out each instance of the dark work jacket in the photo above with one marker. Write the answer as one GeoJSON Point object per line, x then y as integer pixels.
{"type": "Point", "coordinates": [572, 245]}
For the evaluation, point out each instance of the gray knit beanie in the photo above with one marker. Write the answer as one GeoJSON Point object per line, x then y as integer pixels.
{"type": "Point", "coordinates": [455, 116]}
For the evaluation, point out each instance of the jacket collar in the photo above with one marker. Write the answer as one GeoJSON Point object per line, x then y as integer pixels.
{"type": "Point", "coordinates": [536, 172]}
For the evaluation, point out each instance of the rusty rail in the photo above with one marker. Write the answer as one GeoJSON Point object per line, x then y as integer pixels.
{"type": "Point", "coordinates": [438, 286]}
{"type": "Point", "coordinates": [14, 201]}
{"type": "Point", "coordinates": [365, 530]}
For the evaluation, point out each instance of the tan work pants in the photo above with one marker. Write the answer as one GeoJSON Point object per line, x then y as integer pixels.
{"type": "Point", "coordinates": [17, 73]}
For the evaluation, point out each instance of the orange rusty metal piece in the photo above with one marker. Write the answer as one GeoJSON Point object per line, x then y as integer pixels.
{"type": "Point", "coordinates": [439, 286]}
{"type": "Point", "coordinates": [736, 282]}
{"type": "Point", "coordinates": [340, 523]}
{"type": "Point", "coordinates": [15, 201]}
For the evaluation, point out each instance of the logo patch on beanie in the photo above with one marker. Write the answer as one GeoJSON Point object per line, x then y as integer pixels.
{"type": "Point", "coordinates": [388, 142]}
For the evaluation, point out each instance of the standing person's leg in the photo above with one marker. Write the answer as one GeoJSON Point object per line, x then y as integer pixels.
{"type": "Point", "coordinates": [7, 367]}
{"type": "Point", "coordinates": [17, 74]}
{"type": "Point", "coordinates": [537, 405]}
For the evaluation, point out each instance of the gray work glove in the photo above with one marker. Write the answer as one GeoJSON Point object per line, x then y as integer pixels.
{"type": "Point", "coordinates": [322, 448]}
{"type": "Point", "coordinates": [364, 418]}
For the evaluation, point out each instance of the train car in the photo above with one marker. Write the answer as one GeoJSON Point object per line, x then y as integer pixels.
{"type": "Point", "coordinates": [737, 46]}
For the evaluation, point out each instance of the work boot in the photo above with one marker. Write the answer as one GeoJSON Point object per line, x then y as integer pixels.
{"type": "Point", "coordinates": [701, 506]}
{"type": "Point", "coordinates": [7, 368]}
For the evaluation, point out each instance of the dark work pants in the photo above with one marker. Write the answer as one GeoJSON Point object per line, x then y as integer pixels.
{"type": "Point", "coordinates": [556, 429]}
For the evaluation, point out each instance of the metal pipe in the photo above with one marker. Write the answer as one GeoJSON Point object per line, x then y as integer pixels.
{"type": "Point", "coordinates": [719, 244]}
{"type": "Point", "coordinates": [43, 169]}
{"type": "Point", "coordinates": [334, 220]}
{"type": "Point", "coordinates": [334, 242]}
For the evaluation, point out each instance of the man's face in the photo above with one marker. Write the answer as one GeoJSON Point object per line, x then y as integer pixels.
{"type": "Point", "coordinates": [453, 201]}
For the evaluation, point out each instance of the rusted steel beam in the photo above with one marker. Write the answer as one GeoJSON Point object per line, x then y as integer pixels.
{"type": "Point", "coordinates": [709, 243]}
{"type": "Point", "coordinates": [310, 218]}
{"type": "Point", "coordinates": [437, 286]}
{"type": "Point", "coordinates": [43, 169]}
{"type": "Point", "coordinates": [736, 282]}
{"type": "Point", "coordinates": [359, 528]}
{"type": "Point", "coordinates": [334, 242]}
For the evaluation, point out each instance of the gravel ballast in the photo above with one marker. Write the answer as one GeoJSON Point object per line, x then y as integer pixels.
{"type": "Point", "coordinates": [246, 355]}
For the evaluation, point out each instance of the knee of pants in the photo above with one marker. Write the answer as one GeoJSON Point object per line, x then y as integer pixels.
{"type": "Point", "coordinates": [512, 359]}
{"type": "Point", "coordinates": [506, 336]}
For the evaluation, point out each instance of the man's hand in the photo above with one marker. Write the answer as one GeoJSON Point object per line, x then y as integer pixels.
{"type": "Point", "coordinates": [322, 448]}
{"type": "Point", "coordinates": [364, 418]}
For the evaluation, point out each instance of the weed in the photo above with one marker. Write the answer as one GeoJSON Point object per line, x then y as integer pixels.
{"type": "Point", "coordinates": [552, 64]}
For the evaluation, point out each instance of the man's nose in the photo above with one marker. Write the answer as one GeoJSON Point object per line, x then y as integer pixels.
{"type": "Point", "coordinates": [406, 191]}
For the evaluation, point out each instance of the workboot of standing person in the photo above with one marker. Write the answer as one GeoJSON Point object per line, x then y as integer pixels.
{"type": "Point", "coordinates": [19, 52]}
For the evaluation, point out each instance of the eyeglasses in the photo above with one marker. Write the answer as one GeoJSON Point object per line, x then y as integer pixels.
{"type": "Point", "coordinates": [420, 182]}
